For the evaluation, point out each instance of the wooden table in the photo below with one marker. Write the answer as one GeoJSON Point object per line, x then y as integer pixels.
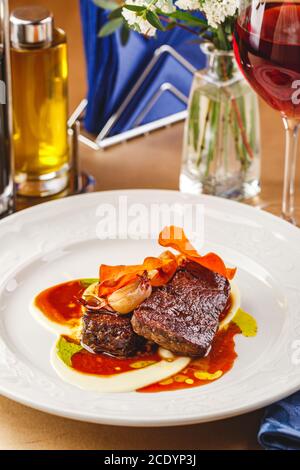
{"type": "Point", "coordinates": [147, 162]}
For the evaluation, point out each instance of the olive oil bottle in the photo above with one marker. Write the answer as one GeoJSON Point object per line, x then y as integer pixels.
{"type": "Point", "coordinates": [40, 102]}
{"type": "Point", "coordinates": [6, 155]}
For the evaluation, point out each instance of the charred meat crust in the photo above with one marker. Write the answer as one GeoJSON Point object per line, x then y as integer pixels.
{"type": "Point", "coordinates": [110, 333]}
{"type": "Point", "coordinates": [183, 316]}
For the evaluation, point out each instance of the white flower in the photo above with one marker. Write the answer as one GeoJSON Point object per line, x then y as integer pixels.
{"type": "Point", "coordinates": [139, 23]}
{"type": "Point", "coordinates": [188, 4]}
{"type": "Point", "coordinates": [165, 5]}
{"type": "Point", "coordinates": [136, 22]}
{"type": "Point", "coordinates": [216, 11]}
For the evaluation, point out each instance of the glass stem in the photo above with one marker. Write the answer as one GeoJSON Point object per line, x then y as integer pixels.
{"type": "Point", "coordinates": [288, 205]}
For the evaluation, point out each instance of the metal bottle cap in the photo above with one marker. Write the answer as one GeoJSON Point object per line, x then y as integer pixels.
{"type": "Point", "coordinates": [31, 27]}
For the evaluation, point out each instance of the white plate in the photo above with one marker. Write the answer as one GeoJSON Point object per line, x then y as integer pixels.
{"type": "Point", "coordinates": [56, 241]}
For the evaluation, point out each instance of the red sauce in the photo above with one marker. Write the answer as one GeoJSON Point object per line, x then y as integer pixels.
{"type": "Point", "coordinates": [221, 357]}
{"type": "Point", "coordinates": [60, 303]}
{"type": "Point", "coordinates": [102, 364]}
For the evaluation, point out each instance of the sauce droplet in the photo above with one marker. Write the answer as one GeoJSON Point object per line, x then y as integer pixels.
{"type": "Point", "coordinates": [207, 376]}
{"type": "Point", "coordinates": [246, 323]}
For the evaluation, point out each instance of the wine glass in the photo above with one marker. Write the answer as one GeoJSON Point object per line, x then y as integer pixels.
{"type": "Point", "coordinates": [267, 48]}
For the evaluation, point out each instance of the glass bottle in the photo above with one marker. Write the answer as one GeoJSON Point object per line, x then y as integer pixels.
{"type": "Point", "coordinates": [40, 102]}
{"type": "Point", "coordinates": [221, 154]}
{"type": "Point", "coordinates": [6, 155]}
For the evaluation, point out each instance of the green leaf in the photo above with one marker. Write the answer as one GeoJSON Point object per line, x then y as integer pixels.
{"type": "Point", "coordinates": [110, 27]}
{"type": "Point", "coordinates": [66, 349]}
{"type": "Point", "coordinates": [188, 18]}
{"type": "Point", "coordinates": [154, 20]}
{"type": "Point", "coordinates": [106, 4]}
{"type": "Point", "coordinates": [135, 8]}
{"type": "Point", "coordinates": [124, 34]}
{"type": "Point", "coordinates": [117, 13]}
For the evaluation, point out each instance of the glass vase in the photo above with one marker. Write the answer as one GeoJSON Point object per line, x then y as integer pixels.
{"type": "Point", "coordinates": [221, 153]}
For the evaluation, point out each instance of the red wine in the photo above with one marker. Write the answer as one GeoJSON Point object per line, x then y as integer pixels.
{"type": "Point", "coordinates": [267, 47]}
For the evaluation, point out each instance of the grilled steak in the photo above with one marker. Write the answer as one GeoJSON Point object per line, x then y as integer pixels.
{"type": "Point", "coordinates": [110, 333]}
{"type": "Point", "coordinates": [183, 316]}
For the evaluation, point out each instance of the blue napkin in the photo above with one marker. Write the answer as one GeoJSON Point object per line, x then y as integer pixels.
{"type": "Point", "coordinates": [280, 428]}
{"type": "Point", "coordinates": [113, 69]}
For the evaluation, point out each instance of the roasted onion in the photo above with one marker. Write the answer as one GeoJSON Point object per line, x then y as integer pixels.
{"type": "Point", "coordinates": [129, 297]}
{"type": "Point", "coordinates": [93, 302]}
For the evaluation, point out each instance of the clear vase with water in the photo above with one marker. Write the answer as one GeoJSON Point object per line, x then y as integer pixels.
{"type": "Point", "coordinates": [221, 152]}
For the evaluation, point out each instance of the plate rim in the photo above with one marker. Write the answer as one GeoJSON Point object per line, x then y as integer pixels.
{"type": "Point", "coordinates": [135, 421]}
